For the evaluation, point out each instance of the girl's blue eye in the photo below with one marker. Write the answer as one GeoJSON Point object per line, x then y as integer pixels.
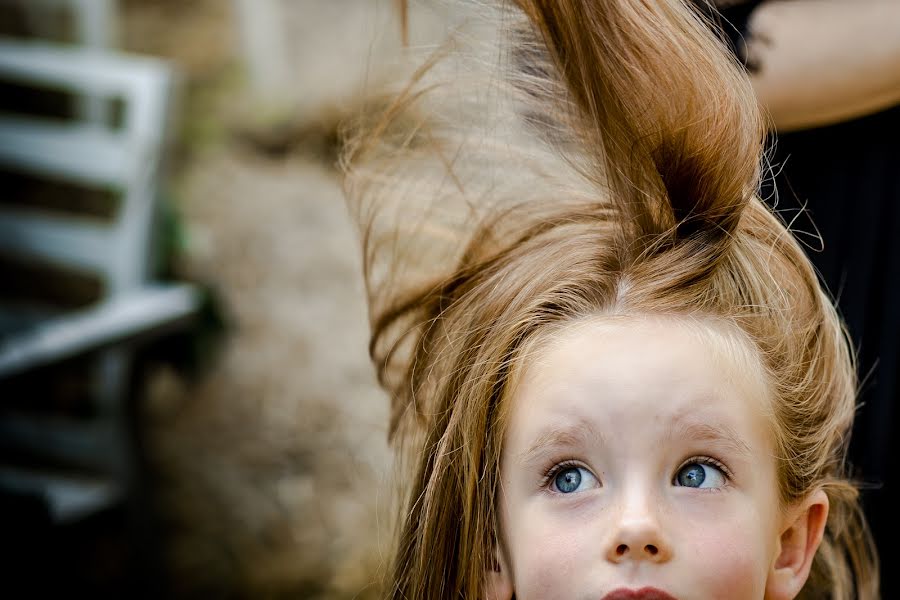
{"type": "Point", "coordinates": [573, 479]}
{"type": "Point", "coordinates": [699, 475]}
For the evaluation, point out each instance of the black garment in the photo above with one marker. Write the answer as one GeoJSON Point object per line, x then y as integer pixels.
{"type": "Point", "coordinates": [848, 177]}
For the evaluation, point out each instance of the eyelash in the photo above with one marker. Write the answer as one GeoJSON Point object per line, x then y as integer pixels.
{"type": "Point", "coordinates": [708, 461]}
{"type": "Point", "coordinates": [556, 467]}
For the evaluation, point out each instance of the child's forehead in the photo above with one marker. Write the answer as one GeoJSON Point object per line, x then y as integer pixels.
{"type": "Point", "coordinates": [721, 340]}
{"type": "Point", "coordinates": [650, 357]}
{"type": "Point", "coordinates": [632, 381]}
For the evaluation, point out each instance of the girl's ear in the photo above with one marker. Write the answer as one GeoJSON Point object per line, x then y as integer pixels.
{"type": "Point", "coordinates": [497, 580]}
{"type": "Point", "coordinates": [801, 535]}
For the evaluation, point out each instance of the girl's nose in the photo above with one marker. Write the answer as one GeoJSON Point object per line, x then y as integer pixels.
{"type": "Point", "coordinates": [638, 537]}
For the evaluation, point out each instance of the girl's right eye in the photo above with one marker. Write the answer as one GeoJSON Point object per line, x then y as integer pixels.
{"type": "Point", "coordinates": [571, 479]}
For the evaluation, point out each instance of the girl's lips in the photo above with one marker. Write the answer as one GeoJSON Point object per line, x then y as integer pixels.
{"type": "Point", "coordinates": [647, 593]}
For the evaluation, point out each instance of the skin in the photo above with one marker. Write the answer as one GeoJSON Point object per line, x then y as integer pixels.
{"type": "Point", "coordinates": [825, 61]}
{"type": "Point", "coordinates": [628, 406]}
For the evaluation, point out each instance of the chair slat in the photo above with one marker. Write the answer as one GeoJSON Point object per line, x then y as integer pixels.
{"type": "Point", "coordinates": [69, 498]}
{"type": "Point", "coordinates": [79, 153]}
{"type": "Point", "coordinates": [65, 241]}
{"type": "Point", "coordinates": [79, 69]}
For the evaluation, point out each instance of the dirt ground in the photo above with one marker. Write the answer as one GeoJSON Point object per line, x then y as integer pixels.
{"type": "Point", "coordinates": [275, 462]}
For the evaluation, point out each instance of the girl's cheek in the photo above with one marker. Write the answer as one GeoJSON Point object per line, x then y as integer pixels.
{"type": "Point", "coordinates": [731, 561]}
{"type": "Point", "coordinates": [547, 555]}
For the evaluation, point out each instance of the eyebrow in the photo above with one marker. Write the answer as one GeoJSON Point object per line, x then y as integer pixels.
{"type": "Point", "coordinates": [719, 434]}
{"type": "Point", "coordinates": [569, 436]}
{"type": "Point", "coordinates": [562, 436]}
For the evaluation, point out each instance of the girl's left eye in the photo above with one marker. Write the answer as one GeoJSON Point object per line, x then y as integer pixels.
{"type": "Point", "coordinates": [700, 475]}
{"type": "Point", "coordinates": [571, 479]}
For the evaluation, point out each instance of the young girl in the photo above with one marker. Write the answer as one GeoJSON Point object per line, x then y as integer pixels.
{"type": "Point", "coordinates": [613, 369]}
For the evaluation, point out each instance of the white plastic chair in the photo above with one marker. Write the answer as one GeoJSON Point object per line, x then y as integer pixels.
{"type": "Point", "coordinates": [89, 152]}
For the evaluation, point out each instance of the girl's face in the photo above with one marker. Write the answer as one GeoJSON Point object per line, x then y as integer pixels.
{"type": "Point", "coordinates": [638, 455]}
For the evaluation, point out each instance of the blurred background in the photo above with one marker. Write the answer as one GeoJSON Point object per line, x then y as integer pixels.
{"type": "Point", "coordinates": [187, 409]}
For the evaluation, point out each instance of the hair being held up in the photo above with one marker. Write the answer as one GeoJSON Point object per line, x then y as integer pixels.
{"type": "Point", "coordinates": [562, 158]}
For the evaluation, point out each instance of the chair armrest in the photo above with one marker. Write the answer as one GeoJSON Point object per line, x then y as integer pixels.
{"type": "Point", "coordinates": [144, 312]}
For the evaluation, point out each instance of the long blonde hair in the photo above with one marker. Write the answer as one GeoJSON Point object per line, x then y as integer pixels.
{"type": "Point", "coordinates": [553, 159]}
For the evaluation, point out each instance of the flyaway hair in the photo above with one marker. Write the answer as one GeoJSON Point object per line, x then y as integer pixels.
{"type": "Point", "coordinates": [554, 160]}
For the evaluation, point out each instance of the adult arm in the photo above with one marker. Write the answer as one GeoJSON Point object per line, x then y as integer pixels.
{"type": "Point", "coordinates": [825, 61]}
